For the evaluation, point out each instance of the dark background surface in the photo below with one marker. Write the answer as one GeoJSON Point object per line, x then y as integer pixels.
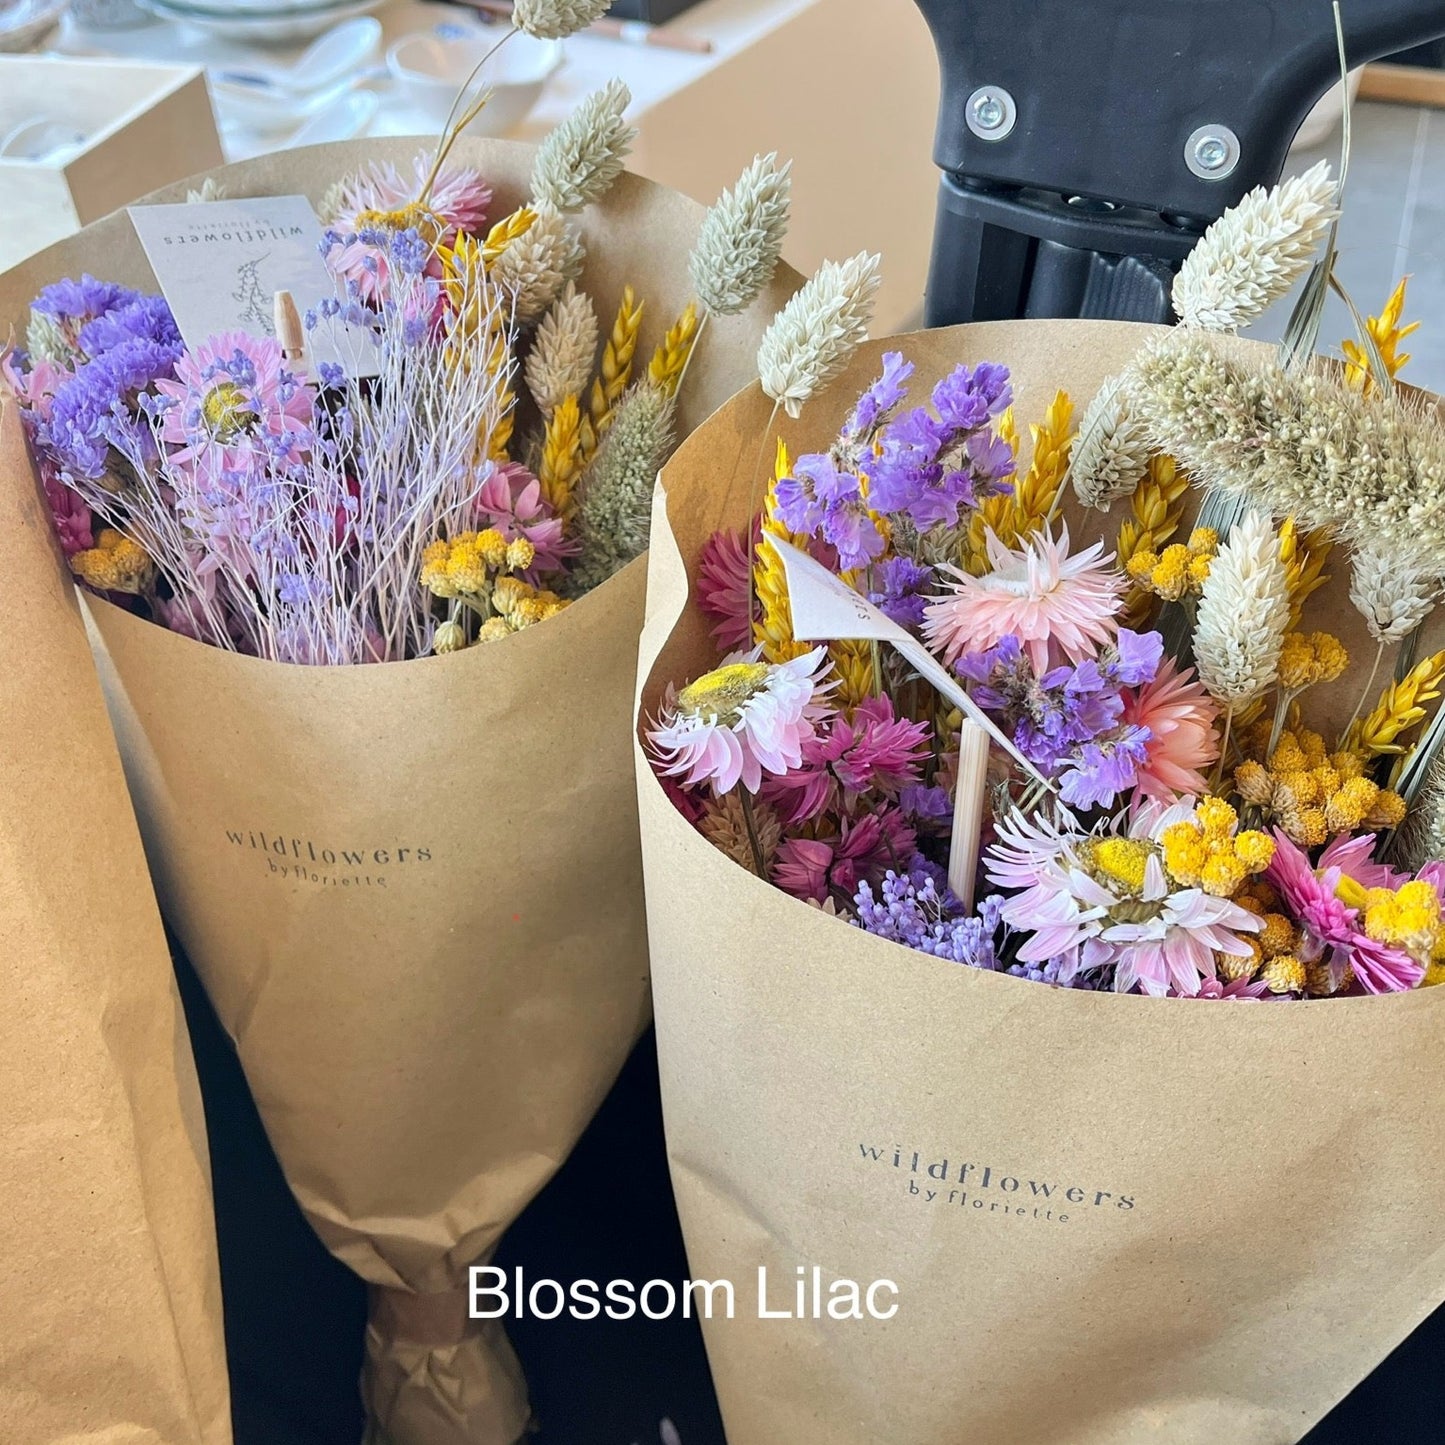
{"type": "Point", "coordinates": [294, 1316]}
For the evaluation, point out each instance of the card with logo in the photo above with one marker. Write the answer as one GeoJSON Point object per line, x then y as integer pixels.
{"type": "Point", "coordinates": [221, 263]}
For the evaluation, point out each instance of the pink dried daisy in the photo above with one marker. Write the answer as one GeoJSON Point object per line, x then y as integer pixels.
{"type": "Point", "coordinates": [1104, 902]}
{"type": "Point", "coordinates": [377, 198]}
{"type": "Point", "coordinates": [817, 869]}
{"type": "Point", "coordinates": [1052, 602]}
{"type": "Point", "coordinates": [741, 720]}
{"type": "Point", "coordinates": [234, 400]}
{"type": "Point", "coordinates": [725, 589]}
{"type": "Point", "coordinates": [1331, 929]}
{"type": "Point", "coordinates": [1180, 717]}
{"type": "Point", "coordinates": [511, 500]}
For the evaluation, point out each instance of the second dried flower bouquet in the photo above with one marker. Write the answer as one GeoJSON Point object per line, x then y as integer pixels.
{"type": "Point", "coordinates": [369, 641]}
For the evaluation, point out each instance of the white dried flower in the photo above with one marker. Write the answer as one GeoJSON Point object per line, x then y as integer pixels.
{"type": "Point", "coordinates": [210, 190]}
{"type": "Point", "coordinates": [741, 238]}
{"type": "Point", "coordinates": [810, 340]}
{"type": "Point", "coordinates": [1111, 452]}
{"type": "Point", "coordinates": [615, 510]}
{"type": "Point", "coordinates": [1421, 839]}
{"type": "Point", "coordinates": [539, 263]}
{"type": "Point", "coordinates": [1255, 252]}
{"type": "Point", "coordinates": [333, 200]}
{"type": "Point", "coordinates": [1296, 443]}
{"type": "Point", "coordinates": [557, 19]}
{"type": "Point", "coordinates": [559, 364]}
{"type": "Point", "coordinates": [1243, 614]}
{"type": "Point", "coordinates": [578, 162]}
{"type": "Point", "coordinates": [1393, 586]}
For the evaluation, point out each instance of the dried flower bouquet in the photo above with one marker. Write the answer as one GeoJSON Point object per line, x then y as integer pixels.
{"type": "Point", "coordinates": [368, 632]}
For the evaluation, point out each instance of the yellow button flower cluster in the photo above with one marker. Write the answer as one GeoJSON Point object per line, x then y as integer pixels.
{"type": "Point", "coordinates": [1407, 918]}
{"type": "Point", "coordinates": [1274, 950]}
{"type": "Point", "coordinates": [1314, 796]}
{"type": "Point", "coordinates": [1305, 660]}
{"type": "Point", "coordinates": [1177, 570]}
{"type": "Point", "coordinates": [518, 604]}
{"type": "Point", "coordinates": [114, 564]}
{"type": "Point", "coordinates": [1210, 852]}
{"type": "Point", "coordinates": [467, 565]}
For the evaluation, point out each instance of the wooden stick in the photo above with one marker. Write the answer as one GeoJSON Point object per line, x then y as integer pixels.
{"type": "Point", "coordinates": [289, 331]}
{"type": "Point", "coordinates": [630, 32]}
{"type": "Point", "coordinates": [968, 796]}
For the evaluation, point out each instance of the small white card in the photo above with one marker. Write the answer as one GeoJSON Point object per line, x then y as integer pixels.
{"type": "Point", "coordinates": [221, 263]}
{"type": "Point", "coordinates": [825, 608]}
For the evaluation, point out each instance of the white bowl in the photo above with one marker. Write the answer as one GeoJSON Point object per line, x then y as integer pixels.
{"type": "Point", "coordinates": [431, 66]}
{"type": "Point", "coordinates": [264, 26]}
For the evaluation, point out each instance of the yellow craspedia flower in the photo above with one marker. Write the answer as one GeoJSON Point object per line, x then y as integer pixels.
{"type": "Point", "coordinates": [1285, 974]}
{"type": "Point", "coordinates": [449, 637]}
{"type": "Point", "coordinates": [466, 569]}
{"type": "Point", "coordinates": [1254, 849]}
{"type": "Point", "coordinates": [114, 564]}
{"type": "Point", "coordinates": [1305, 660]}
{"type": "Point", "coordinates": [1278, 935]}
{"type": "Point", "coordinates": [491, 547]}
{"type": "Point", "coordinates": [493, 630]}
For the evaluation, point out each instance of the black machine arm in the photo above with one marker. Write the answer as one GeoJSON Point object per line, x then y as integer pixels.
{"type": "Point", "coordinates": [1084, 144]}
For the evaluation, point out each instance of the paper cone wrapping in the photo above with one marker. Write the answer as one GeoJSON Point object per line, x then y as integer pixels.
{"type": "Point", "coordinates": [110, 1300]}
{"type": "Point", "coordinates": [413, 890]}
{"type": "Point", "coordinates": [1108, 1218]}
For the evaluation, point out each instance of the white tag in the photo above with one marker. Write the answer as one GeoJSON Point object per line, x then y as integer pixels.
{"type": "Point", "coordinates": [221, 263]}
{"type": "Point", "coordinates": [825, 608]}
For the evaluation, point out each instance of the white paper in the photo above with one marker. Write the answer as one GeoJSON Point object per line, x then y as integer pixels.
{"type": "Point", "coordinates": [221, 263]}
{"type": "Point", "coordinates": [825, 608]}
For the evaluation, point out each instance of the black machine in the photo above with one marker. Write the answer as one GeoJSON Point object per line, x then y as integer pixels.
{"type": "Point", "coordinates": [1084, 146]}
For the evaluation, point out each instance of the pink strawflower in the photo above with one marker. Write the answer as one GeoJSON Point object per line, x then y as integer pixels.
{"type": "Point", "coordinates": [742, 720]}
{"type": "Point", "coordinates": [725, 589]}
{"type": "Point", "coordinates": [377, 198]}
{"type": "Point", "coordinates": [234, 401]}
{"type": "Point", "coordinates": [1180, 717]}
{"type": "Point", "coordinates": [73, 522]}
{"type": "Point", "coordinates": [511, 500]}
{"type": "Point", "coordinates": [1093, 902]}
{"type": "Point", "coordinates": [1331, 928]}
{"type": "Point", "coordinates": [1244, 989]}
{"type": "Point", "coordinates": [866, 848]}
{"type": "Point", "coordinates": [873, 751]}
{"type": "Point", "coordinates": [1055, 604]}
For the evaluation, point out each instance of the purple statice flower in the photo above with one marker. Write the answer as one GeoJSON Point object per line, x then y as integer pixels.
{"type": "Point", "coordinates": [878, 402]}
{"type": "Point", "coordinates": [930, 810]}
{"type": "Point", "coordinates": [95, 409]}
{"type": "Point", "coordinates": [1134, 658]}
{"type": "Point", "coordinates": [1055, 973]}
{"type": "Point", "coordinates": [147, 318]}
{"type": "Point", "coordinates": [900, 595]}
{"type": "Point", "coordinates": [916, 910]}
{"type": "Point", "coordinates": [73, 303]}
{"type": "Point", "coordinates": [932, 467]}
{"type": "Point", "coordinates": [1068, 723]}
{"type": "Point", "coordinates": [821, 500]}
{"type": "Point", "coordinates": [1099, 771]}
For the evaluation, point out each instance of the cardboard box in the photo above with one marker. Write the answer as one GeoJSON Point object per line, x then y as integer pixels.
{"type": "Point", "coordinates": [146, 126]}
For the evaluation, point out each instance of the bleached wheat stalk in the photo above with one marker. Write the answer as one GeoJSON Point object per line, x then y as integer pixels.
{"type": "Point", "coordinates": [1255, 252]}
{"type": "Point", "coordinates": [812, 338]}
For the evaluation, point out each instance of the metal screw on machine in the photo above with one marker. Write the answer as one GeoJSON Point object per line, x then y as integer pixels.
{"type": "Point", "coordinates": [1212, 152]}
{"type": "Point", "coordinates": [991, 112]}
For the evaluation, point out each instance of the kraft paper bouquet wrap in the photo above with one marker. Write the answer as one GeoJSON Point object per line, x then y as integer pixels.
{"type": "Point", "coordinates": [411, 884]}
{"type": "Point", "coordinates": [1122, 1074]}
{"type": "Point", "coordinates": [111, 1325]}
